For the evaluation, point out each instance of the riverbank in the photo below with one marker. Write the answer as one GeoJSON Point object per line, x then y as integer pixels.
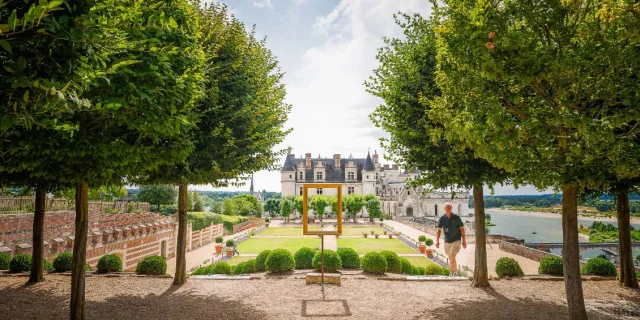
{"type": "Point", "coordinates": [553, 215]}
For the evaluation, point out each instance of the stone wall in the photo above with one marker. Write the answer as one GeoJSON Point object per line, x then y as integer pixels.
{"type": "Point", "coordinates": [523, 251]}
{"type": "Point", "coordinates": [132, 236]}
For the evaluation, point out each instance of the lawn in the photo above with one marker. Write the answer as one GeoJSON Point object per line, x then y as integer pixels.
{"type": "Point", "coordinates": [364, 245]}
{"type": "Point", "coordinates": [256, 245]}
{"type": "Point", "coordinates": [357, 231]}
{"type": "Point", "coordinates": [419, 261]}
{"type": "Point", "coordinates": [281, 232]}
{"type": "Point", "coordinates": [238, 259]}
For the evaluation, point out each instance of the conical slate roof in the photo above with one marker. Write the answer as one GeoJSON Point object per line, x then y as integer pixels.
{"type": "Point", "coordinates": [288, 164]}
{"type": "Point", "coordinates": [368, 165]}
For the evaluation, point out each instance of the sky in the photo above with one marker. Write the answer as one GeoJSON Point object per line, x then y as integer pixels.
{"type": "Point", "coordinates": [327, 49]}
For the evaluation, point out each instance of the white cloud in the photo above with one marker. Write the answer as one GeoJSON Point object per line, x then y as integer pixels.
{"type": "Point", "coordinates": [263, 4]}
{"type": "Point", "coordinates": [299, 3]}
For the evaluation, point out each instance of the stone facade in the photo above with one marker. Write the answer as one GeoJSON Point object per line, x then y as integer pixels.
{"type": "Point", "coordinates": [367, 175]}
{"type": "Point", "coordinates": [132, 236]}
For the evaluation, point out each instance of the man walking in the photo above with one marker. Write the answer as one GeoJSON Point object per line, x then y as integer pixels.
{"type": "Point", "coordinates": [453, 229]}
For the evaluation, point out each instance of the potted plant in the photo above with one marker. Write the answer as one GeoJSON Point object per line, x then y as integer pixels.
{"type": "Point", "coordinates": [429, 243]}
{"type": "Point", "coordinates": [422, 247]}
{"type": "Point", "coordinates": [390, 236]}
{"type": "Point", "coordinates": [377, 235]}
{"type": "Point", "coordinates": [397, 233]}
{"type": "Point", "coordinates": [381, 219]}
{"type": "Point", "coordinates": [266, 222]}
{"type": "Point", "coordinates": [364, 234]}
{"type": "Point", "coordinates": [219, 244]}
{"type": "Point", "coordinates": [373, 232]}
{"type": "Point", "coordinates": [385, 232]}
{"type": "Point", "coordinates": [230, 245]}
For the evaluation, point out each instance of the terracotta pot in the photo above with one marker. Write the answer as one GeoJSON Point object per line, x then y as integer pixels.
{"type": "Point", "coordinates": [266, 225]}
{"type": "Point", "coordinates": [429, 253]}
{"type": "Point", "coordinates": [230, 253]}
{"type": "Point", "coordinates": [385, 232]}
{"type": "Point", "coordinates": [373, 232]}
{"type": "Point", "coordinates": [381, 224]}
{"type": "Point", "coordinates": [377, 236]}
{"type": "Point", "coordinates": [364, 235]}
{"type": "Point", "coordinates": [218, 249]}
{"type": "Point", "coordinates": [390, 236]}
{"type": "Point", "coordinates": [422, 248]}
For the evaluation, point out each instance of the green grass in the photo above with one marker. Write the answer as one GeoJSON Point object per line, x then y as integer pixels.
{"type": "Point", "coordinates": [281, 232]}
{"type": "Point", "coordinates": [419, 261]}
{"type": "Point", "coordinates": [230, 218]}
{"type": "Point", "coordinates": [256, 245]}
{"type": "Point", "coordinates": [364, 245]}
{"type": "Point", "coordinates": [238, 259]}
{"type": "Point", "coordinates": [357, 231]}
{"type": "Point", "coordinates": [297, 231]}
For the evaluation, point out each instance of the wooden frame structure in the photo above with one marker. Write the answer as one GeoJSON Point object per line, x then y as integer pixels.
{"type": "Point", "coordinates": [305, 209]}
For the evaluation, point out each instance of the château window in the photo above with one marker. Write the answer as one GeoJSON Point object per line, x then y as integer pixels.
{"type": "Point", "coordinates": [318, 175]}
{"type": "Point", "coordinates": [376, 176]}
{"type": "Point", "coordinates": [408, 193]}
{"type": "Point", "coordinates": [301, 175]}
{"type": "Point", "coordinates": [289, 176]}
{"type": "Point", "coordinates": [367, 176]}
{"type": "Point", "coordinates": [350, 176]}
{"type": "Point", "coordinates": [300, 190]}
{"type": "Point", "coordinates": [350, 190]}
{"type": "Point", "coordinates": [319, 191]}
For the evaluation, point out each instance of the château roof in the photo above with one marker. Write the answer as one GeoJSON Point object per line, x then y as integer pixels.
{"type": "Point", "coordinates": [332, 173]}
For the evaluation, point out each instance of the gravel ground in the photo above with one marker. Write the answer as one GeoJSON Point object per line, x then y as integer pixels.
{"type": "Point", "coordinates": [287, 297]}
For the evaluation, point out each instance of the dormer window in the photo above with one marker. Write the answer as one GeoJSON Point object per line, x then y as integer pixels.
{"type": "Point", "coordinates": [301, 175]}
{"type": "Point", "coordinates": [319, 175]}
{"type": "Point", "coordinates": [351, 176]}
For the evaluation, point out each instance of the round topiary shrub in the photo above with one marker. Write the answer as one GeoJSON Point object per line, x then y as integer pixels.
{"type": "Point", "coordinates": [4, 261]}
{"type": "Point", "coordinates": [20, 263]}
{"type": "Point", "coordinates": [230, 243]}
{"type": "Point", "coordinates": [250, 266]}
{"type": "Point", "coordinates": [63, 262]}
{"type": "Point", "coordinates": [600, 267]}
{"type": "Point", "coordinates": [220, 268]}
{"type": "Point", "coordinates": [433, 270]}
{"type": "Point", "coordinates": [393, 261]}
{"type": "Point", "coordinates": [508, 267]}
{"type": "Point", "coordinates": [304, 258]}
{"type": "Point", "coordinates": [446, 272]}
{"type": "Point", "coordinates": [332, 261]}
{"type": "Point", "coordinates": [152, 265]}
{"type": "Point", "coordinates": [349, 257]}
{"type": "Point", "coordinates": [422, 238]}
{"type": "Point", "coordinates": [201, 271]}
{"type": "Point", "coordinates": [109, 263]}
{"type": "Point", "coordinates": [374, 262]}
{"type": "Point", "coordinates": [48, 266]}
{"type": "Point", "coordinates": [551, 265]}
{"type": "Point", "coordinates": [428, 242]}
{"type": "Point", "coordinates": [407, 267]}
{"type": "Point", "coordinates": [418, 271]}
{"type": "Point", "coordinates": [261, 259]}
{"type": "Point", "coordinates": [279, 260]}
{"type": "Point", "coordinates": [239, 268]}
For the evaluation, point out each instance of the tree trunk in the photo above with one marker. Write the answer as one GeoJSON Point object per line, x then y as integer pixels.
{"type": "Point", "coordinates": [571, 254]}
{"type": "Point", "coordinates": [37, 266]}
{"type": "Point", "coordinates": [627, 271]}
{"type": "Point", "coordinates": [79, 251]}
{"type": "Point", "coordinates": [181, 260]}
{"type": "Point", "coordinates": [480, 271]}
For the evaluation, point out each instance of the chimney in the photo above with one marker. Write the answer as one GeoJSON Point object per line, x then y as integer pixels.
{"type": "Point", "coordinates": [293, 156]}
{"type": "Point", "coordinates": [386, 167]}
{"type": "Point", "coordinates": [336, 160]}
{"type": "Point", "coordinates": [308, 158]}
{"type": "Point", "coordinates": [375, 157]}
{"type": "Point", "coordinates": [394, 166]}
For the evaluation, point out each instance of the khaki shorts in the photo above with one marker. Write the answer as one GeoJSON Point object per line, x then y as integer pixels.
{"type": "Point", "coordinates": [452, 248]}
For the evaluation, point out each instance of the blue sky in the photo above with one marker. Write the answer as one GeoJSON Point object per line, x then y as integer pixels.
{"type": "Point", "coordinates": [327, 50]}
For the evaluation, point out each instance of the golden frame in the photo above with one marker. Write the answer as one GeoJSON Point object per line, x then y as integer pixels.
{"type": "Point", "coordinates": [305, 209]}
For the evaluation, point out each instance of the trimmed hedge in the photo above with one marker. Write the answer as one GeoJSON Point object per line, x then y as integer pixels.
{"type": "Point", "coordinates": [239, 268]}
{"type": "Point", "coordinates": [407, 267]}
{"type": "Point", "coordinates": [4, 261]}
{"type": "Point", "coordinates": [279, 260]}
{"type": "Point", "coordinates": [418, 271]}
{"type": "Point", "coordinates": [349, 257]}
{"type": "Point", "coordinates": [304, 258]}
{"type": "Point", "coordinates": [261, 259]}
{"type": "Point", "coordinates": [221, 268]}
{"type": "Point", "coordinates": [393, 261]}
{"type": "Point", "coordinates": [374, 262]}
{"type": "Point", "coordinates": [48, 266]}
{"type": "Point", "coordinates": [600, 267]}
{"type": "Point", "coordinates": [63, 262]}
{"type": "Point", "coordinates": [20, 263]}
{"type": "Point", "coordinates": [332, 261]}
{"type": "Point", "coordinates": [152, 265]}
{"type": "Point", "coordinates": [508, 267]}
{"type": "Point", "coordinates": [109, 263]}
{"type": "Point", "coordinates": [250, 266]}
{"type": "Point", "coordinates": [446, 272]}
{"type": "Point", "coordinates": [551, 265]}
{"type": "Point", "coordinates": [433, 270]}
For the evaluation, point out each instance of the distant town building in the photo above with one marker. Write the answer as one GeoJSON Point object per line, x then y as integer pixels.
{"type": "Point", "coordinates": [366, 175]}
{"type": "Point", "coordinates": [257, 195]}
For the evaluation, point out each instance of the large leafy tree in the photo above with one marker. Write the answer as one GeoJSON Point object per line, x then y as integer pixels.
{"type": "Point", "coordinates": [272, 206]}
{"type": "Point", "coordinates": [241, 115]}
{"type": "Point", "coordinates": [541, 89]}
{"type": "Point", "coordinates": [353, 204]}
{"type": "Point", "coordinates": [319, 204]}
{"type": "Point", "coordinates": [406, 82]}
{"type": "Point", "coordinates": [158, 194]}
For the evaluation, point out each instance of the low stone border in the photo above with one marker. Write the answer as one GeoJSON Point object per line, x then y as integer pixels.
{"type": "Point", "coordinates": [224, 277]}
{"type": "Point", "coordinates": [423, 278]}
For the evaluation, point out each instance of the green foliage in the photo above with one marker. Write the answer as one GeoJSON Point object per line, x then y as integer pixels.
{"type": "Point", "coordinates": [349, 257]}
{"type": "Point", "coordinates": [253, 207]}
{"type": "Point", "coordinates": [197, 202]}
{"type": "Point", "coordinates": [286, 207]}
{"type": "Point", "coordinates": [508, 267]}
{"type": "Point", "coordinates": [109, 263]}
{"type": "Point", "coordinates": [333, 203]}
{"type": "Point", "coordinates": [4, 261]}
{"type": "Point", "coordinates": [446, 272]}
{"type": "Point", "coordinates": [272, 206]}
{"type": "Point", "coordinates": [422, 238]}
{"type": "Point", "coordinates": [606, 232]}
{"type": "Point", "coordinates": [250, 266]}
{"type": "Point", "coordinates": [393, 261]}
{"type": "Point", "coordinates": [433, 270]}
{"type": "Point", "coordinates": [201, 220]}
{"type": "Point", "coordinates": [428, 242]}
{"type": "Point", "coordinates": [304, 258]}
{"type": "Point", "coordinates": [221, 267]}
{"type": "Point", "coordinates": [600, 267]}
{"type": "Point", "coordinates": [406, 266]}
{"type": "Point", "coordinates": [87, 267]}
{"type": "Point", "coordinates": [332, 261]}
{"type": "Point", "coordinates": [279, 260]}
{"type": "Point", "coordinates": [319, 203]}
{"type": "Point", "coordinates": [168, 210]}
{"type": "Point", "coordinates": [418, 271]}
{"type": "Point", "coordinates": [48, 266]}
{"type": "Point", "coordinates": [219, 239]}
{"type": "Point", "coordinates": [374, 262]}
{"type": "Point", "coordinates": [373, 207]}
{"type": "Point", "coordinates": [353, 203]}
{"type": "Point", "coordinates": [261, 259]}
{"type": "Point", "coordinates": [63, 262]}
{"type": "Point", "coordinates": [105, 193]}
{"type": "Point", "coordinates": [20, 263]}
{"type": "Point", "coordinates": [229, 207]}
{"type": "Point", "coordinates": [551, 265]}
{"type": "Point", "coordinates": [230, 243]}
{"type": "Point", "coordinates": [239, 268]}
{"type": "Point", "coordinates": [156, 265]}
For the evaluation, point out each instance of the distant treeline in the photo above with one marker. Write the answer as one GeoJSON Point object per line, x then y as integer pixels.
{"type": "Point", "coordinates": [603, 203]}
{"type": "Point", "coordinates": [221, 195]}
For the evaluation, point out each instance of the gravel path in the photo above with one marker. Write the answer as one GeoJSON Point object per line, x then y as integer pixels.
{"type": "Point", "coordinates": [288, 297]}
